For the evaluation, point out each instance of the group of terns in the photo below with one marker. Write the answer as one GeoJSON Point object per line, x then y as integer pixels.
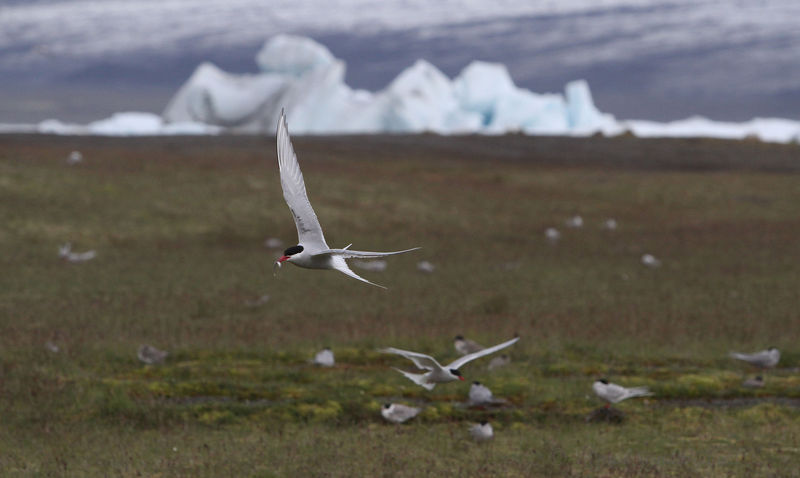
{"type": "Point", "coordinates": [313, 252]}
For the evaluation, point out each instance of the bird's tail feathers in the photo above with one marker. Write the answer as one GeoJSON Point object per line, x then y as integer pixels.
{"type": "Point", "coordinates": [640, 392]}
{"type": "Point", "coordinates": [418, 378]}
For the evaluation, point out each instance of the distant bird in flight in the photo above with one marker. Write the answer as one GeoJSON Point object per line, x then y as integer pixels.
{"type": "Point", "coordinates": [436, 372]}
{"type": "Point", "coordinates": [763, 359]}
{"type": "Point", "coordinates": [311, 251]}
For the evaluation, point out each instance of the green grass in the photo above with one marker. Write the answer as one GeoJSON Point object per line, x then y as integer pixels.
{"type": "Point", "coordinates": [178, 225]}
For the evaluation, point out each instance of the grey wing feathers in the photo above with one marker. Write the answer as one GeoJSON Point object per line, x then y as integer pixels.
{"type": "Point", "coordinates": [309, 231]}
{"type": "Point", "coordinates": [470, 357]}
{"type": "Point", "coordinates": [347, 253]}
{"type": "Point", "coordinates": [340, 265]}
{"type": "Point", "coordinates": [422, 361]}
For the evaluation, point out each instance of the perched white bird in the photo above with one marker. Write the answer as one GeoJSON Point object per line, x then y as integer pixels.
{"type": "Point", "coordinates": [650, 261]}
{"type": "Point", "coordinates": [436, 372]}
{"type": "Point", "coordinates": [74, 157]}
{"type": "Point", "coordinates": [425, 266]}
{"type": "Point", "coordinates": [763, 359]}
{"type": "Point", "coordinates": [755, 382]}
{"type": "Point", "coordinates": [610, 224]}
{"type": "Point", "coordinates": [65, 252]}
{"type": "Point", "coordinates": [324, 358]}
{"type": "Point", "coordinates": [574, 222]}
{"type": "Point", "coordinates": [311, 251]}
{"type": "Point", "coordinates": [51, 346]}
{"type": "Point", "coordinates": [552, 234]}
{"type": "Point", "coordinates": [481, 431]}
{"type": "Point", "coordinates": [399, 413]}
{"type": "Point", "coordinates": [613, 393]}
{"type": "Point", "coordinates": [499, 361]}
{"type": "Point", "coordinates": [151, 355]}
{"type": "Point", "coordinates": [466, 346]}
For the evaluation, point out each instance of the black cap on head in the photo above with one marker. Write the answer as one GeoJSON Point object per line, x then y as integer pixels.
{"type": "Point", "coordinates": [459, 337]}
{"type": "Point", "coordinates": [476, 382]}
{"type": "Point", "coordinates": [455, 372]}
{"type": "Point", "coordinates": [293, 250]}
{"type": "Point", "coordinates": [602, 380]}
{"type": "Point", "coordinates": [387, 405]}
{"type": "Point", "coordinates": [484, 422]}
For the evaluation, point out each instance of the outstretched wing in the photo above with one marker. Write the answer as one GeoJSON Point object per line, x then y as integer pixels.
{"type": "Point", "coordinates": [309, 231]}
{"type": "Point", "coordinates": [340, 265]}
{"type": "Point", "coordinates": [422, 361]}
{"type": "Point", "coordinates": [470, 357]}
{"type": "Point", "coordinates": [348, 254]}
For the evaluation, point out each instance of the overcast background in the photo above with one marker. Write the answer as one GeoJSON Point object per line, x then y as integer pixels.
{"type": "Point", "coordinates": [81, 60]}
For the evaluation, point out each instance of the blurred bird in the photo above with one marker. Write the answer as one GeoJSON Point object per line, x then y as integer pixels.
{"type": "Point", "coordinates": [552, 234]}
{"type": "Point", "coordinates": [610, 224]}
{"type": "Point", "coordinates": [481, 431]}
{"type": "Point", "coordinates": [425, 266]}
{"type": "Point", "coordinates": [499, 361]}
{"type": "Point", "coordinates": [755, 382]}
{"type": "Point", "coordinates": [74, 157]}
{"type": "Point", "coordinates": [65, 252]}
{"type": "Point", "coordinates": [151, 355]}
{"type": "Point", "coordinates": [311, 251]}
{"type": "Point", "coordinates": [466, 346]}
{"type": "Point", "coordinates": [257, 302]}
{"type": "Point", "coordinates": [324, 358]}
{"type": "Point", "coordinates": [273, 243]}
{"type": "Point", "coordinates": [51, 347]}
{"type": "Point", "coordinates": [399, 413]}
{"type": "Point", "coordinates": [613, 393]}
{"type": "Point", "coordinates": [438, 373]}
{"type": "Point", "coordinates": [763, 359]}
{"type": "Point", "coordinates": [574, 222]}
{"type": "Point", "coordinates": [650, 261]}
{"type": "Point", "coordinates": [376, 265]}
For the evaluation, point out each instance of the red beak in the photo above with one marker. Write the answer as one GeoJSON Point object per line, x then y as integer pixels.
{"type": "Point", "coordinates": [283, 258]}
{"type": "Point", "coordinates": [461, 378]}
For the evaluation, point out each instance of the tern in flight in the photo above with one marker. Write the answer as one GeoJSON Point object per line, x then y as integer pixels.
{"type": "Point", "coordinates": [311, 251]}
{"type": "Point", "coordinates": [436, 372]}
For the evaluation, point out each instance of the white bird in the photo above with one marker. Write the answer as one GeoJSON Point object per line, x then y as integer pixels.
{"type": "Point", "coordinates": [481, 431]}
{"type": "Point", "coordinates": [74, 157]}
{"type": "Point", "coordinates": [650, 261]}
{"type": "Point", "coordinates": [763, 359]}
{"type": "Point", "coordinates": [399, 413]}
{"type": "Point", "coordinates": [610, 224]}
{"type": "Point", "coordinates": [574, 222]}
{"type": "Point", "coordinates": [257, 302]}
{"type": "Point", "coordinates": [51, 346]}
{"type": "Point", "coordinates": [499, 361]}
{"type": "Point", "coordinates": [755, 382]}
{"type": "Point", "coordinates": [466, 346]}
{"type": "Point", "coordinates": [613, 393]}
{"type": "Point", "coordinates": [436, 372]}
{"type": "Point", "coordinates": [552, 234]}
{"type": "Point", "coordinates": [425, 266]}
{"type": "Point", "coordinates": [324, 358]}
{"type": "Point", "coordinates": [65, 252]}
{"type": "Point", "coordinates": [151, 355]}
{"type": "Point", "coordinates": [311, 251]}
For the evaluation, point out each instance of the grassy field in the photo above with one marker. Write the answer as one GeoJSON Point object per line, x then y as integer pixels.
{"type": "Point", "coordinates": [179, 224]}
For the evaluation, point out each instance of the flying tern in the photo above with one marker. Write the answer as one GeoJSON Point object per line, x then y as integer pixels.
{"type": "Point", "coordinates": [436, 372]}
{"type": "Point", "coordinates": [763, 359]}
{"type": "Point", "coordinates": [613, 393]}
{"type": "Point", "coordinates": [311, 251]}
{"type": "Point", "coordinates": [399, 413]}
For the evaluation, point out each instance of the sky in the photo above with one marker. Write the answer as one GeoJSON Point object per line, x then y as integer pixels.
{"type": "Point", "coordinates": [80, 60]}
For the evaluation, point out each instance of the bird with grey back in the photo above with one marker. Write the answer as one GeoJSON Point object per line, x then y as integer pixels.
{"type": "Point", "coordinates": [399, 413]}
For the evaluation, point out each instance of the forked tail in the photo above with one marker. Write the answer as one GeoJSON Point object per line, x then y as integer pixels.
{"type": "Point", "coordinates": [418, 378]}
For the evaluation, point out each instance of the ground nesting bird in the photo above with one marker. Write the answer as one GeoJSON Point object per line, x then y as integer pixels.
{"type": "Point", "coordinates": [74, 157]}
{"type": "Point", "coordinates": [763, 359]}
{"type": "Point", "coordinates": [650, 260]}
{"type": "Point", "coordinates": [499, 361]}
{"type": "Point", "coordinates": [755, 382]}
{"type": "Point", "coordinates": [65, 253]}
{"type": "Point", "coordinates": [574, 222]}
{"type": "Point", "coordinates": [552, 234]}
{"type": "Point", "coordinates": [481, 431]}
{"type": "Point", "coordinates": [324, 358]}
{"type": "Point", "coordinates": [399, 413]}
{"type": "Point", "coordinates": [151, 355]}
{"type": "Point", "coordinates": [610, 224]}
{"type": "Point", "coordinates": [426, 267]}
{"type": "Point", "coordinates": [613, 393]}
{"type": "Point", "coordinates": [465, 346]}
